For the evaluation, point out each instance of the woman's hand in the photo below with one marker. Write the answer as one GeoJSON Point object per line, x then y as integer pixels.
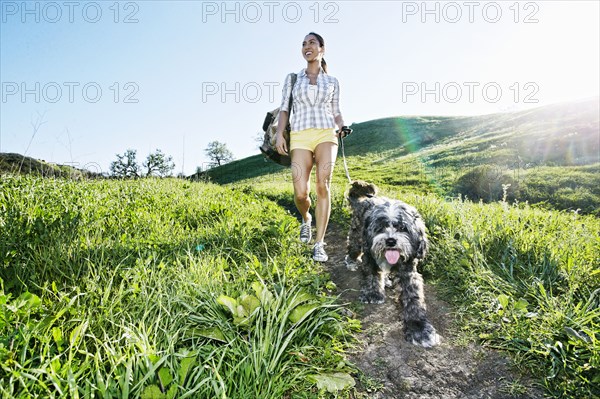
{"type": "Point", "coordinates": [343, 131]}
{"type": "Point", "coordinates": [339, 121]}
{"type": "Point", "coordinates": [280, 144]}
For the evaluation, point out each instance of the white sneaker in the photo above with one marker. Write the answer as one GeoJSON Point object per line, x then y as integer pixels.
{"type": "Point", "coordinates": [306, 231]}
{"type": "Point", "coordinates": [319, 254]}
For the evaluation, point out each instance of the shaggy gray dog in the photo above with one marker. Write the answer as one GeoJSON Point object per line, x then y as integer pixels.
{"type": "Point", "coordinates": [388, 236]}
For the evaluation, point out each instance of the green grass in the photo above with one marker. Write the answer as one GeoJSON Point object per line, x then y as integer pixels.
{"type": "Point", "coordinates": [525, 281]}
{"type": "Point", "coordinates": [570, 188]}
{"type": "Point", "coordinates": [162, 288]}
{"type": "Point", "coordinates": [168, 288]}
{"type": "Point", "coordinates": [549, 156]}
{"type": "Point", "coordinates": [117, 288]}
{"type": "Point", "coordinates": [521, 279]}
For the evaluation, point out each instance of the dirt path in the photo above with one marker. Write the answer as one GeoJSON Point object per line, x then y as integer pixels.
{"type": "Point", "coordinates": [393, 368]}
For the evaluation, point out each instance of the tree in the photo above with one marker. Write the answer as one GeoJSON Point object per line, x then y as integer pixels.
{"type": "Point", "coordinates": [159, 164]}
{"type": "Point", "coordinates": [156, 164]}
{"type": "Point", "coordinates": [218, 153]}
{"type": "Point", "coordinates": [126, 165]}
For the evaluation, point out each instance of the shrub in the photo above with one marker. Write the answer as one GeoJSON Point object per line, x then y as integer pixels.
{"type": "Point", "coordinates": [487, 183]}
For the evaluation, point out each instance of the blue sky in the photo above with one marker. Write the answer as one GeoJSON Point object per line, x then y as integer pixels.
{"type": "Point", "coordinates": [106, 76]}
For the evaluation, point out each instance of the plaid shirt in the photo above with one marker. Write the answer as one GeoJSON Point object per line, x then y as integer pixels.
{"type": "Point", "coordinates": [306, 114]}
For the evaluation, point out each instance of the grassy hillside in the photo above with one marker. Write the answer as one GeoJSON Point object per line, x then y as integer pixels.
{"type": "Point", "coordinates": [560, 134]}
{"type": "Point", "coordinates": [159, 289]}
{"type": "Point", "coordinates": [235, 171]}
{"type": "Point", "coordinates": [521, 279]}
{"type": "Point", "coordinates": [165, 288]}
{"type": "Point", "coordinates": [549, 155]}
{"type": "Point", "coordinates": [11, 163]}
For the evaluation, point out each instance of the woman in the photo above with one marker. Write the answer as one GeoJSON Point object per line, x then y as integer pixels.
{"type": "Point", "coordinates": [313, 137]}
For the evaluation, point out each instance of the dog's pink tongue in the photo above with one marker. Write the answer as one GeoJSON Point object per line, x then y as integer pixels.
{"type": "Point", "coordinates": [392, 256]}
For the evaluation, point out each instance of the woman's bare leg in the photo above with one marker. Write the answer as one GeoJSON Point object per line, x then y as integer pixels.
{"type": "Point", "coordinates": [325, 155]}
{"type": "Point", "coordinates": [302, 163]}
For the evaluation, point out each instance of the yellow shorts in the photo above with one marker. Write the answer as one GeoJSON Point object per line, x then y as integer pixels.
{"type": "Point", "coordinates": [309, 139]}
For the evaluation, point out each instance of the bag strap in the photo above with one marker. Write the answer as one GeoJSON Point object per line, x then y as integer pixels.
{"type": "Point", "coordinates": [294, 77]}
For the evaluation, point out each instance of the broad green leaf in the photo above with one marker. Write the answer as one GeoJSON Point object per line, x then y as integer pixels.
{"type": "Point", "coordinates": [249, 302]}
{"type": "Point", "coordinates": [503, 300]}
{"type": "Point", "coordinates": [301, 311]}
{"type": "Point", "coordinates": [172, 392]}
{"type": "Point", "coordinates": [27, 300]}
{"type": "Point", "coordinates": [58, 336]}
{"type": "Point", "coordinates": [265, 296]}
{"type": "Point", "coordinates": [228, 302]}
{"type": "Point", "coordinates": [521, 305]}
{"type": "Point", "coordinates": [4, 298]}
{"type": "Point", "coordinates": [153, 358]}
{"type": "Point", "coordinates": [184, 368]}
{"type": "Point", "coordinates": [165, 377]}
{"type": "Point", "coordinates": [55, 365]}
{"type": "Point", "coordinates": [301, 297]}
{"type": "Point", "coordinates": [210, 333]}
{"type": "Point", "coordinates": [240, 311]}
{"type": "Point", "coordinates": [152, 392]}
{"type": "Point", "coordinates": [33, 301]}
{"type": "Point", "coordinates": [333, 382]}
{"type": "Point", "coordinates": [258, 288]}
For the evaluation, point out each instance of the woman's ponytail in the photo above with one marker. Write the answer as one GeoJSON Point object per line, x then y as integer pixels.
{"type": "Point", "coordinates": [322, 44]}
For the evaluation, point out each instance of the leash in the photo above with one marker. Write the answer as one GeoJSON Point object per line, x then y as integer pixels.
{"type": "Point", "coordinates": [345, 131]}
